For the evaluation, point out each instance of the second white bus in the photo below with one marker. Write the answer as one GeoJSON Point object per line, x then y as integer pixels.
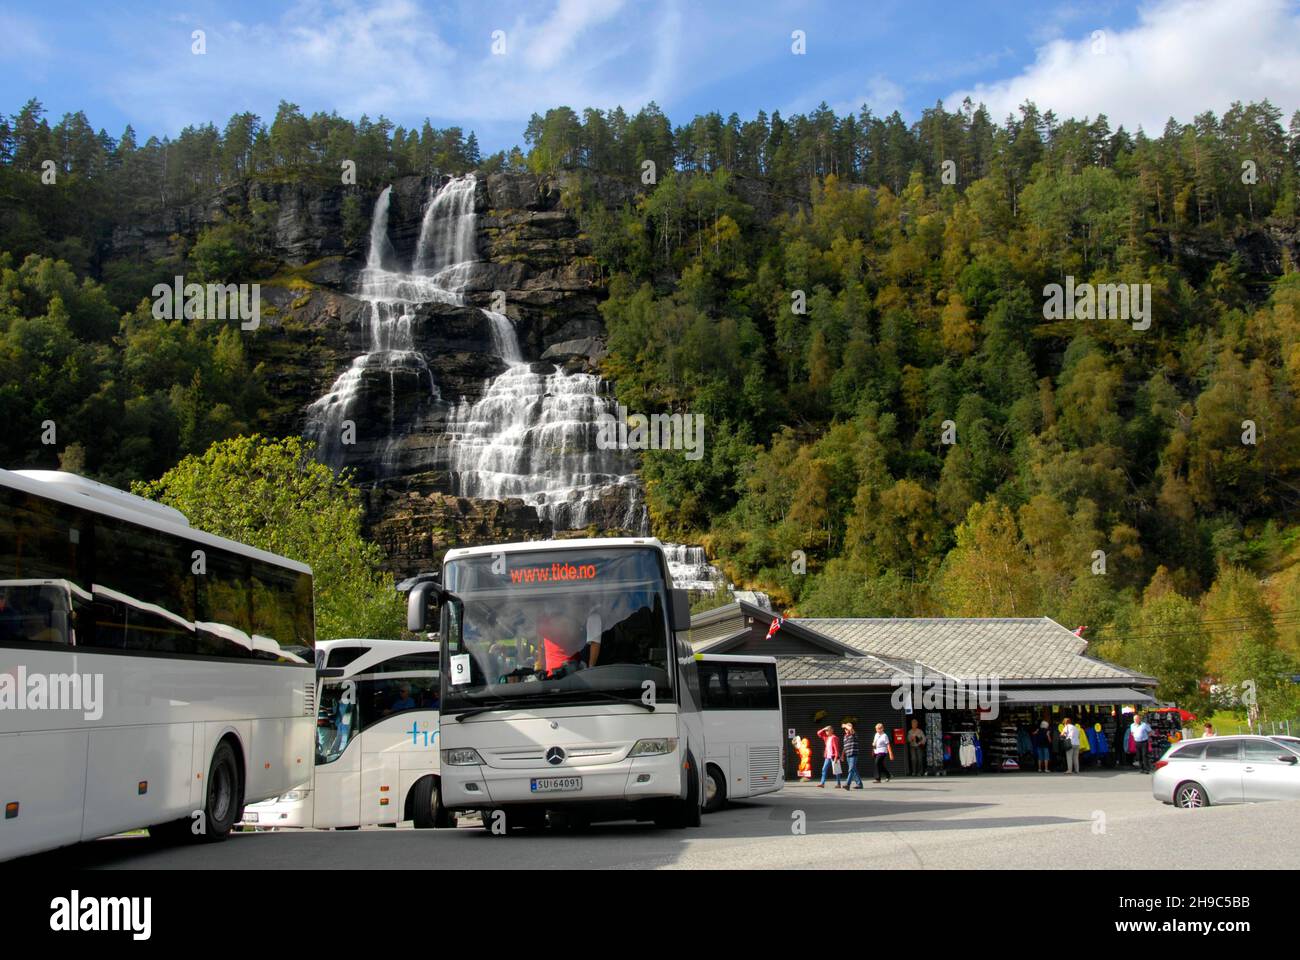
{"type": "Point", "coordinates": [376, 741]}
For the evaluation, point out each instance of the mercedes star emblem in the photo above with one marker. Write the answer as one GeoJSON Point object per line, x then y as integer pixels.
{"type": "Point", "coordinates": [555, 756]}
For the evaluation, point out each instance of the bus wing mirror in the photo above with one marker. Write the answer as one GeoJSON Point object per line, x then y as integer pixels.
{"type": "Point", "coordinates": [422, 606]}
{"type": "Point", "coordinates": [681, 611]}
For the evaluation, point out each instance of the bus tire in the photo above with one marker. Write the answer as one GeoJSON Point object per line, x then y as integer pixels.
{"type": "Point", "coordinates": [223, 801]}
{"type": "Point", "coordinates": [715, 790]}
{"type": "Point", "coordinates": [426, 806]}
{"type": "Point", "coordinates": [222, 804]}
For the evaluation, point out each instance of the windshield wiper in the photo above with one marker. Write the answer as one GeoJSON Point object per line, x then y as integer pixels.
{"type": "Point", "coordinates": [648, 707]}
{"type": "Point", "coordinates": [475, 711]}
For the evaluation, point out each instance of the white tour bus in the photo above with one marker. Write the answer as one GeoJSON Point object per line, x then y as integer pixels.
{"type": "Point", "coordinates": [151, 675]}
{"type": "Point", "coordinates": [568, 684]}
{"type": "Point", "coordinates": [741, 705]}
{"type": "Point", "coordinates": [376, 741]}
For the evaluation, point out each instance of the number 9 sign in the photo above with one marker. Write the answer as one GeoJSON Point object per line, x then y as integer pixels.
{"type": "Point", "coordinates": [460, 669]}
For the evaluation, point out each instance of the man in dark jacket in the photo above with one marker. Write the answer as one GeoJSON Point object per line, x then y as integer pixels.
{"type": "Point", "coordinates": [851, 756]}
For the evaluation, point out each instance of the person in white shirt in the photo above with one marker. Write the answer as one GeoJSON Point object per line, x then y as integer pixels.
{"type": "Point", "coordinates": [1140, 731]}
{"type": "Point", "coordinates": [882, 750]}
{"type": "Point", "coordinates": [1070, 734]}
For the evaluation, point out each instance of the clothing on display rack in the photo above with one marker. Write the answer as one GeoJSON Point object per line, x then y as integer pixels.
{"type": "Point", "coordinates": [934, 745]}
{"type": "Point", "coordinates": [967, 753]}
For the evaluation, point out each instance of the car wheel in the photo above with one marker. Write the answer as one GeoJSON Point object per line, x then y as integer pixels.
{"type": "Point", "coordinates": [1191, 796]}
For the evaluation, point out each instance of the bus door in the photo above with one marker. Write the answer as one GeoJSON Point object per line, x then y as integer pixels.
{"type": "Point", "coordinates": [399, 740]}
{"type": "Point", "coordinates": [336, 787]}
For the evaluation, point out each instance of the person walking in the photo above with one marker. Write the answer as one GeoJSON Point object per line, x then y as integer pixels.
{"type": "Point", "coordinates": [915, 750]}
{"type": "Point", "coordinates": [1070, 735]}
{"type": "Point", "coordinates": [1042, 739]}
{"type": "Point", "coordinates": [830, 756]}
{"type": "Point", "coordinates": [882, 750]}
{"type": "Point", "coordinates": [1141, 732]}
{"type": "Point", "coordinates": [851, 756]}
{"type": "Point", "coordinates": [1208, 731]}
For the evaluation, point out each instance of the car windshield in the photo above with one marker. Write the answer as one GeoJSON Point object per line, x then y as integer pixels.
{"type": "Point", "coordinates": [558, 627]}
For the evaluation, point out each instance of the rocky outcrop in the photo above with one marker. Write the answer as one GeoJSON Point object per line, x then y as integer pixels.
{"type": "Point", "coordinates": [414, 529]}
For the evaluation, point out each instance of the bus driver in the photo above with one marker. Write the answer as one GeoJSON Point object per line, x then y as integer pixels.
{"type": "Point", "coordinates": [563, 643]}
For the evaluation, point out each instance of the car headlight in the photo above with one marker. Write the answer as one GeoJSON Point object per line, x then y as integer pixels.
{"type": "Point", "coordinates": [292, 796]}
{"type": "Point", "coordinates": [461, 757]}
{"type": "Point", "coordinates": [654, 748]}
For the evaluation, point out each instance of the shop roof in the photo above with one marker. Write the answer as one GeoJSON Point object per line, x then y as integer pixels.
{"type": "Point", "coordinates": [847, 671]}
{"type": "Point", "coordinates": [1012, 649]}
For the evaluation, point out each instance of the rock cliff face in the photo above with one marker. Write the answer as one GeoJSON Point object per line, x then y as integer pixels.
{"type": "Point", "coordinates": [534, 267]}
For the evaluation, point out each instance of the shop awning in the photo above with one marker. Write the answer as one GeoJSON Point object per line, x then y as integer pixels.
{"type": "Point", "coordinates": [1076, 695]}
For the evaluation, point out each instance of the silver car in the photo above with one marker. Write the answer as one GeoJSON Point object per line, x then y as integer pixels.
{"type": "Point", "coordinates": [1243, 769]}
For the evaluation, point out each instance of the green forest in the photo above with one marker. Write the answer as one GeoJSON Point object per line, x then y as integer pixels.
{"type": "Point", "coordinates": [855, 304]}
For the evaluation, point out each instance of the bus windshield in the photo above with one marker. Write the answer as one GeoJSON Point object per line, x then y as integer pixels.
{"type": "Point", "coordinates": [558, 627]}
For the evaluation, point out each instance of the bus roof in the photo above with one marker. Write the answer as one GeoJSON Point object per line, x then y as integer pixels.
{"type": "Point", "coordinates": [385, 642]}
{"type": "Point", "coordinates": [377, 651]}
{"type": "Point", "coordinates": [578, 543]}
{"type": "Point", "coordinates": [85, 494]}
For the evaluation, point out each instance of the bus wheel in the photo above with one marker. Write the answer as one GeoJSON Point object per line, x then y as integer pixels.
{"type": "Point", "coordinates": [715, 790]}
{"type": "Point", "coordinates": [426, 806]}
{"type": "Point", "coordinates": [222, 806]}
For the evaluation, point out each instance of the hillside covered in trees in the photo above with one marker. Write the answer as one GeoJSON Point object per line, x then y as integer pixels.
{"type": "Point", "coordinates": [895, 426]}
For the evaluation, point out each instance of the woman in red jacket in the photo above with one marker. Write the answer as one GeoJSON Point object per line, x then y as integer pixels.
{"type": "Point", "coordinates": [831, 756]}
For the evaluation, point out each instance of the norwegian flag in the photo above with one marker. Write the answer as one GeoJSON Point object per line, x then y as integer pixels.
{"type": "Point", "coordinates": [776, 625]}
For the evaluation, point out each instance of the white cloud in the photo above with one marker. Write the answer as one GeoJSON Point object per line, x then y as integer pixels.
{"type": "Point", "coordinates": [1183, 57]}
{"type": "Point", "coordinates": [404, 60]}
{"type": "Point", "coordinates": [23, 42]}
{"type": "Point", "coordinates": [550, 42]}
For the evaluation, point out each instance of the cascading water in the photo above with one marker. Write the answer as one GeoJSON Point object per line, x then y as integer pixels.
{"type": "Point", "coordinates": [690, 569]}
{"type": "Point", "coordinates": [533, 433]}
{"type": "Point", "coordinates": [389, 297]}
{"type": "Point", "coordinates": [533, 436]}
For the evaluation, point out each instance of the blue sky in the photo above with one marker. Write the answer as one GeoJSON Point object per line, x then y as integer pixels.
{"type": "Point", "coordinates": [1137, 62]}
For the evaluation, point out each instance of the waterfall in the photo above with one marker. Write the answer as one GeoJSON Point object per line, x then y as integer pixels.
{"type": "Point", "coordinates": [533, 436]}
{"type": "Point", "coordinates": [389, 297]}
{"type": "Point", "coordinates": [533, 433]}
{"type": "Point", "coordinates": [690, 569]}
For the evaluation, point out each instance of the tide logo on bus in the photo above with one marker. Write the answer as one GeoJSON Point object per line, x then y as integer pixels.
{"type": "Point", "coordinates": [555, 573]}
{"type": "Point", "coordinates": [430, 738]}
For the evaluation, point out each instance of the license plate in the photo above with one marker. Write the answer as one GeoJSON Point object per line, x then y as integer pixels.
{"type": "Point", "coordinates": [250, 818]}
{"type": "Point", "coordinates": [556, 784]}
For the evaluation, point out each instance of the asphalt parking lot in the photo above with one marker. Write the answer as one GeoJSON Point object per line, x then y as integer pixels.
{"type": "Point", "coordinates": [1101, 820]}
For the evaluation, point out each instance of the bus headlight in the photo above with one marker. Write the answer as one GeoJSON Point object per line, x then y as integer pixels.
{"type": "Point", "coordinates": [461, 757]}
{"type": "Point", "coordinates": [293, 796]}
{"type": "Point", "coordinates": [654, 748]}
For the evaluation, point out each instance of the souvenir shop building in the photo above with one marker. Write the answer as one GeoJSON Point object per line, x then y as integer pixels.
{"type": "Point", "coordinates": [981, 684]}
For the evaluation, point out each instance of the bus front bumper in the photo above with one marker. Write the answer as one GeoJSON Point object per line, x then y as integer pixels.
{"type": "Point", "coordinates": [641, 778]}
